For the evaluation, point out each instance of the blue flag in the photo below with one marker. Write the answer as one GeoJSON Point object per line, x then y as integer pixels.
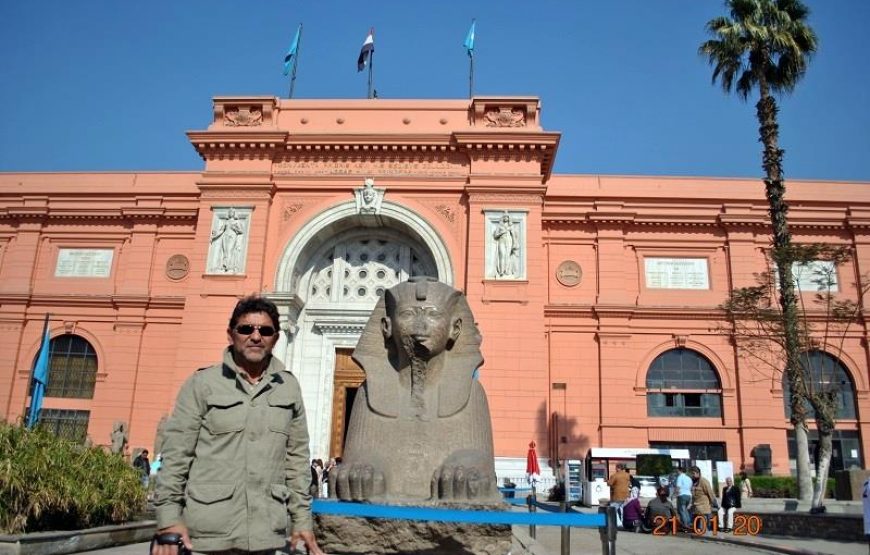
{"type": "Point", "coordinates": [40, 377]}
{"type": "Point", "coordinates": [469, 39]}
{"type": "Point", "coordinates": [290, 57]}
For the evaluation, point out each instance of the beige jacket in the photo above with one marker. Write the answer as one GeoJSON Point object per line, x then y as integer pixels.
{"type": "Point", "coordinates": [703, 497]}
{"type": "Point", "coordinates": [235, 460]}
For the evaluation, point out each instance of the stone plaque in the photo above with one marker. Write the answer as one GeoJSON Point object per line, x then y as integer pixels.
{"type": "Point", "coordinates": [177, 266]}
{"type": "Point", "coordinates": [676, 273]}
{"type": "Point", "coordinates": [569, 273]}
{"type": "Point", "coordinates": [84, 263]}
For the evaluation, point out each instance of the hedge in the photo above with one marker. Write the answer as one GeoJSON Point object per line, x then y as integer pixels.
{"type": "Point", "coordinates": [47, 483]}
{"type": "Point", "coordinates": [781, 486]}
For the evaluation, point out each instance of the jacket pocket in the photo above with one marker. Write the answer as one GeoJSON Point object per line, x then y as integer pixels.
{"type": "Point", "coordinates": [225, 414]}
{"type": "Point", "coordinates": [209, 509]}
{"type": "Point", "coordinates": [278, 508]}
{"type": "Point", "coordinates": [280, 411]}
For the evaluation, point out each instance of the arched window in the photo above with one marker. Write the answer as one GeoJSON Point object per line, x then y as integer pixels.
{"type": "Point", "coordinates": [681, 382]}
{"type": "Point", "coordinates": [828, 373]}
{"type": "Point", "coordinates": [72, 368]}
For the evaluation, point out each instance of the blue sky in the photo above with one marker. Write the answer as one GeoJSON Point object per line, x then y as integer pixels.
{"type": "Point", "coordinates": [100, 85]}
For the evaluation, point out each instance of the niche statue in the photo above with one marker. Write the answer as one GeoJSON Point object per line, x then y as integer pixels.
{"type": "Point", "coordinates": [420, 427]}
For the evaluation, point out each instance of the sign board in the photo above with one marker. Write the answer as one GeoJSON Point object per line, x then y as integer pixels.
{"type": "Point", "coordinates": [96, 263]}
{"type": "Point", "coordinates": [676, 273]}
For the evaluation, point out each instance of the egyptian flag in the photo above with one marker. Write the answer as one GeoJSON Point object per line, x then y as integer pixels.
{"type": "Point", "coordinates": [365, 53]}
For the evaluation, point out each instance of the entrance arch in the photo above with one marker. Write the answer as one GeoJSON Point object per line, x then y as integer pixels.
{"type": "Point", "coordinates": [330, 277]}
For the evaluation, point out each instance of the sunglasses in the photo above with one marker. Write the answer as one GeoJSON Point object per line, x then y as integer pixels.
{"type": "Point", "coordinates": [248, 329]}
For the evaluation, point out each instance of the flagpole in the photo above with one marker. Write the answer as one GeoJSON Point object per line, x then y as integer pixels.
{"type": "Point", "coordinates": [471, 75]}
{"type": "Point", "coordinates": [371, 66]}
{"type": "Point", "coordinates": [295, 63]}
{"type": "Point", "coordinates": [24, 410]}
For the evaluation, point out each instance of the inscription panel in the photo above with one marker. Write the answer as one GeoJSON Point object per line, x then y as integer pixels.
{"type": "Point", "coordinates": [676, 273]}
{"type": "Point", "coordinates": [95, 263]}
{"type": "Point", "coordinates": [446, 166]}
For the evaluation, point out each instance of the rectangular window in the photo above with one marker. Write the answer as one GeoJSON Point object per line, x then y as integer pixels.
{"type": "Point", "coordinates": [66, 424]}
{"type": "Point", "coordinates": [684, 404]}
{"type": "Point", "coordinates": [676, 273]}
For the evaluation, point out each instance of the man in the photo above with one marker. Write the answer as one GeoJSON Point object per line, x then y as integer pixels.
{"type": "Point", "coordinates": [620, 484]}
{"type": "Point", "coordinates": [660, 511]}
{"type": "Point", "coordinates": [143, 465]}
{"type": "Point", "coordinates": [683, 486]}
{"type": "Point", "coordinates": [235, 456]}
{"type": "Point", "coordinates": [703, 497]}
{"type": "Point", "coordinates": [729, 505]}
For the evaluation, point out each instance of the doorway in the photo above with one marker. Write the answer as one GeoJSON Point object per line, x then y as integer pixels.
{"type": "Point", "coordinates": [348, 378]}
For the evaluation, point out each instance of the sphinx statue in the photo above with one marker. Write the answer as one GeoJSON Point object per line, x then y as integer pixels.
{"type": "Point", "coordinates": [420, 427]}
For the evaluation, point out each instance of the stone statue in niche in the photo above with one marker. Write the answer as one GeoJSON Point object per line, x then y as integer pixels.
{"type": "Point", "coordinates": [420, 426]}
{"type": "Point", "coordinates": [229, 236]}
{"type": "Point", "coordinates": [507, 247]}
{"type": "Point", "coordinates": [119, 437]}
{"type": "Point", "coordinates": [369, 197]}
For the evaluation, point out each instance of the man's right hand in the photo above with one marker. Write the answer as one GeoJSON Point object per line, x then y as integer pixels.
{"type": "Point", "coordinates": [179, 529]}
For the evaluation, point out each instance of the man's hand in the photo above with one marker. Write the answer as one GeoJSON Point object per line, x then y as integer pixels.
{"type": "Point", "coordinates": [179, 529]}
{"type": "Point", "coordinates": [306, 537]}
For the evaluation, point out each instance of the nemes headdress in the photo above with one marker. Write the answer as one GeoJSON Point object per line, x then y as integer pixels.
{"type": "Point", "coordinates": [462, 358]}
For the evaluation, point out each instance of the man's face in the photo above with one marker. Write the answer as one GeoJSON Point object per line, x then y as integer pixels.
{"type": "Point", "coordinates": [252, 350]}
{"type": "Point", "coordinates": [695, 476]}
{"type": "Point", "coordinates": [729, 482]}
{"type": "Point", "coordinates": [421, 329]}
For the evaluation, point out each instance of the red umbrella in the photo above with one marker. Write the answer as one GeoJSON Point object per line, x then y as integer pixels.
{"type": "Point", "coordinates": [532, 466]}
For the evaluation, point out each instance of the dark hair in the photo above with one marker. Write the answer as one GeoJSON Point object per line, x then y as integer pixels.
{"type": "Point", "coordinates": [662, 491]}
{"type": "Point", "coordinates": [254, 303]}
{"type": "Point", "coordinates": [695, 469]}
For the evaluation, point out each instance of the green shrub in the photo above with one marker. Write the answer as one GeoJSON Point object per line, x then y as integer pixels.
{"type": "Point", "coordinates": [47, 483]}
{"type": "Point", "coordinates": [780, 486]}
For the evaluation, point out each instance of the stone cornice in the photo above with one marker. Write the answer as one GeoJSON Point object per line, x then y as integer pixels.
{"type": "Point", "coordinates": [511, 144]}
{"type": "Point", "coordinates": [632, 312]}
{"type": "Point", "coordinates": [96, 301]}
{"type": "Point", "coordinates": [237, 144]}
{"type": "Point", "coordinates": [95, 213]}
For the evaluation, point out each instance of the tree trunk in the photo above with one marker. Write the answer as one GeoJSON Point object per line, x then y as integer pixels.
{"type": "Point", "coordinates": [825, 406]}
{"type": "Point", "coordinates": [775, 190]}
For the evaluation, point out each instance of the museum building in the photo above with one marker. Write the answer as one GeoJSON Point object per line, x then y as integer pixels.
{"type": "Point", "coordinates": [597, 296]}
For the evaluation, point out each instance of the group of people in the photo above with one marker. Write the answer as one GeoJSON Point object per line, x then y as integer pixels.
{"type": "Point", "coordinates": [320, 476]}
{"type": "Point", "coordinates": [694, 496]}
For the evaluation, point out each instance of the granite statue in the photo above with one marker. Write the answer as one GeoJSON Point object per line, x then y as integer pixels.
{"type": "Point", "coordinates": [420, 426]}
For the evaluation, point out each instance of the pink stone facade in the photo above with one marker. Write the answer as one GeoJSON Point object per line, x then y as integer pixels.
{"type": "Point", "coordinates": [573, 334]}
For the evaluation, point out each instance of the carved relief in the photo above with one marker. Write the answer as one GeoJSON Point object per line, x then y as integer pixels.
{"type": "Point", "coordinates": [290, 210]}
{"type": "Point", "coordinates": [228, 242]}
{"type": "Point", "coordinates": [505, 116]}
{"type": "Point", "coordinates": [569, 273]}
{"type": "Point", "coordinates": [447, 211]}
{"type": "Point", "coordinates": [505, 245]}
{"type": "Point", "coordinates": [243, 116]}
{"type": "Point", "coordinates": [368, 197]}
{"type": "Point", "coordinates": [177, 266]}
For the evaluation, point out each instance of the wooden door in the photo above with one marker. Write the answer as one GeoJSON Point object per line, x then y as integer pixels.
{"type": "Point", "coordinates": [348, 377]}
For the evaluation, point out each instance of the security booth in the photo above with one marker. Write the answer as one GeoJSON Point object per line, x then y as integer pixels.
{"type": "Point", "coordinates": [601, 461]}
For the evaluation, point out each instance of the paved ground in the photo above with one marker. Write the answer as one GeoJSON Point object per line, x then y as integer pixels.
{"type": "Point", "coordinates": [586, 542]}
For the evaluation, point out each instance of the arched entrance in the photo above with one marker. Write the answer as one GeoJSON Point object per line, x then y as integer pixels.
{"type": "Point", "coordinates": [331, 276]}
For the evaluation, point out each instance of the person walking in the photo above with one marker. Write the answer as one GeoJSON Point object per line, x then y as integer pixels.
{"type": "Point", "coordinates": [745, 486]}
{"type": "Point", "coordinates": [143, 465]}
{"type": "Point", "coordinates": [235, 456]}
{"type": "Point", "coordinates": [683, 490]}
{"type": "Point", "coordinates": [703, 497]}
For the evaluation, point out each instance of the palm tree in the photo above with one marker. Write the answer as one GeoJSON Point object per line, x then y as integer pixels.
{"type": "Point", "coordinates": [766, 44]}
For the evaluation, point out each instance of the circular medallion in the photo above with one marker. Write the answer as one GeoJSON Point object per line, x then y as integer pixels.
{"type": "Point", "coordinates": [569, 273]}
{"type": "Point", "coordinates": [177, 266]}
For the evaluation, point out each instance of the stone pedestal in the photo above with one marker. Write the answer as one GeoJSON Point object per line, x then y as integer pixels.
{"type": "Point", "coordinates": [340, 535]}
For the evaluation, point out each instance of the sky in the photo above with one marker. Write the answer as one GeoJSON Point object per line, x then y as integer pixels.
{"type": "Point", "coordinates": [102, 85]}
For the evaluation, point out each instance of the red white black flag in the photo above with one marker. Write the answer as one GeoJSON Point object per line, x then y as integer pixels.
{"type": "Point", "coordinates": [366, 51]}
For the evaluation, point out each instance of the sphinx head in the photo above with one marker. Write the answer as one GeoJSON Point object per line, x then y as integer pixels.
{"type": "Point", "coordinates": [420, 318]}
